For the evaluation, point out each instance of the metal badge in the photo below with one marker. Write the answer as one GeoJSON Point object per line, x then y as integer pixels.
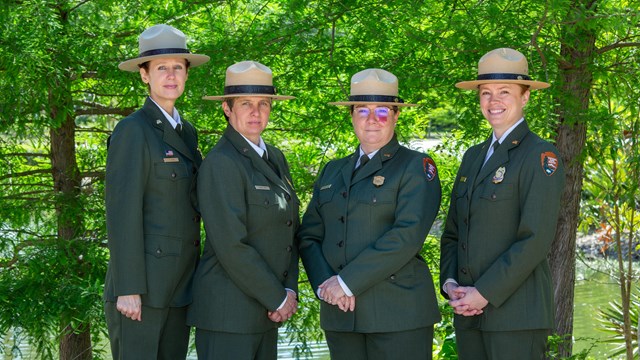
{"type": "Point", "coordinates": [499, 176]}
{"type": "Point", "coordinates": [378, 180]}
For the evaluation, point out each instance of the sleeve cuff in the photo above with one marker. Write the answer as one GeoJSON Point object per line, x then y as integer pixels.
{"type": "Point", "coordinates": [444, 286]}
{"type": "Point", "coordinates": [344, 287]}
{"type": "Point", "coordinates": [285, 298]}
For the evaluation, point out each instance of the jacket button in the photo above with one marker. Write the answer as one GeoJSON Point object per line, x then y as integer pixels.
{"type": "Point", "coordinates": [464, 271]}
{"type": "Point", "coordinates": [340, 267]}
{"type": "Point", "coordinates": [341, 243]}
{"type": "Point", "coordinates": [285, 273]}
{"type": "Point", "coordinates": [159, 251]}
{"type": "Point", "coordinates": [289, 248]}
{"type": "Point", "coordinates": [344, 194]}
{"type": "Point", "coordinates": [392, 277]}
{"type": "Point", "coordinates": [289, 222]}
{"type": "Point", "coordinates": [493, 196]}
{"type": "Point", "coordinates": [287, 197]}
{"type": "Point", "coordinates": [465, 221]}
{"type": "Point", "coordinates": [266, 202]}
{"type": "Point", "coordinates": [464, 246]}
{"type": "Point", "coordinates": [341, 218]}
{"type": "Point", "coordinates": [173, 175]}
{"type": "Point", "coordinates": [196, 243]}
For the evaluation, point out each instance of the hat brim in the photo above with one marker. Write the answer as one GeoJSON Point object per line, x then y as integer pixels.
{"type": "Point", "coordinates": [473, 85]}
{"type": "Point", "coordinates": [349, 103]}
{"type": "Point", "coordinates": [132, 65]}
{"type": "Point", "coordinates": [271, 96]}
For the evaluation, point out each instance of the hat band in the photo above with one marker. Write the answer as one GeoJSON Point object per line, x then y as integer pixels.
{"type": "Point", "coordinates": [376, 98]}
{"type": "Point", "coordinates": [249, 89]}
{"type": "Point", "coordinates": [164, 51]}
{"type": "Point", "coordinates": [503, 76]}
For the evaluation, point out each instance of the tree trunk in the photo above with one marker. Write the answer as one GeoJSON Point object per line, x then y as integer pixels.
{"type": "Point", "coordinates": [75, 343]}
{"type": "Point", "coordinates": [577, 49]}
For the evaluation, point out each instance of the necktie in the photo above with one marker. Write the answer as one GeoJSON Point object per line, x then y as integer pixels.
{"type": "Point", "coordinates": [363, 160]}
{"type": "Point", "coordinates": [179, 128]}
{"type": "Point", "coordinates": [265, 157]}
{"type": "Point", "coordinates": [495, 147]}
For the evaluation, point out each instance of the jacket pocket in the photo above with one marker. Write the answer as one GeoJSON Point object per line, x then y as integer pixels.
{"type": "Point", "coordinates": [170, 171]}
{"type": "Point", "coordinates": [161, 246]}
{"type": "Point", "coordinates": [325, 196]}
{"type": "Point", "coordinates": [497, 192]}
{"type": "Point", "coordinates": [262, 195]}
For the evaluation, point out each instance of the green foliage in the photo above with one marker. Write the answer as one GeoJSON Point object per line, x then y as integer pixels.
{"type": "Point", "coordinates": [612, 322]}
{"type": "Point", "coordinates": [555, 342]}
{"type": "Point", "coordinates": [58, 60]}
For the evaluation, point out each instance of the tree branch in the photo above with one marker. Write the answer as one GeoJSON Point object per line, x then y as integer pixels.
{"type": "Point", "coordinates": [604, 49]}
{"type": "Point", "coordinates": [24, 154]}
{"type": "Point", "coordinates": [99, 109]}
{"type": "Point", "coordinates": [25, 173]}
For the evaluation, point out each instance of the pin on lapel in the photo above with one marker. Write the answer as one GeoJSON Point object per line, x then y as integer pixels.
{"type": "Point", "coordinates": [158, 121]}
{"type": "Point", "coordinates": [515, 142]}
{"type": "Point", "coordinates": [499, 176]}
{"type": "Point", "coordinates": [463, 179]}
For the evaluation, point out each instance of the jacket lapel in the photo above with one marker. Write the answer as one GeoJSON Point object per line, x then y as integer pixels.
{"type": "Point", "coordinates": [501, 155]}
{"type": "Point", "coordinates": [347, 169]}
{"type": "Point", "coordinates": [261, 166]}
{"type": "Point", "coordinates": [476, 166]}
{"type": "Point", "coordinates": [170, 136]}
{"type": "Point", "coordinates": [385, 153]}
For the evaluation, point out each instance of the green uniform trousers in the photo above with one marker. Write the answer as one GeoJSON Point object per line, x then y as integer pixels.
{"type": "Point", "coordinates": [212, 345]}
{"type": "Point", "coordinates": [407, 345]}
{"type": "Point", "coordinates": [162, 333]}
{"type": "Point", "coordinates": [474, 344]}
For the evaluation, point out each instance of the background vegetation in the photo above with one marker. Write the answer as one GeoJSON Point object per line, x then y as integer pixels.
{"type": "Point", "coordinates": [61, 95]}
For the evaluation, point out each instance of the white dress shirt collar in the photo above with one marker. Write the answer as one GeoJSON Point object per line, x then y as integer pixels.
{"type": "Point", "coordinates": [173, 119]}
{"type": "Point", "coordinates": [260, 148]}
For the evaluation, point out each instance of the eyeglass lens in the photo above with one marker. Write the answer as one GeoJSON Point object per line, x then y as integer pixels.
{"type": "Point", "coordinates": [380, 113]}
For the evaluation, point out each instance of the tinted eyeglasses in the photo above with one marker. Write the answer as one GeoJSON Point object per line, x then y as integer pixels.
{"type": "Point", "coordinates": [380, 113]}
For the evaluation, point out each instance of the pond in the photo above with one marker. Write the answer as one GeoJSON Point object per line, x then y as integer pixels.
{"type": "Point", "coordinates": [593, 291]}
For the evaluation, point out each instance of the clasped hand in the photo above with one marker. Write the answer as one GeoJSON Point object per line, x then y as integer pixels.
{"type": "Point", "coordinates": [331, 292]}
{"type": "Point", "coordinates": [130, 306]}
{"type": "Point", "coordinates": [287, 310]}
{"type": "Point", "coordinates": [466, 300]}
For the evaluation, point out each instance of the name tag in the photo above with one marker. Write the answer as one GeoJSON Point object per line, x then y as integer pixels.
{"type": "Point", "coordinates": [171, 159]}
{"type": "Point", "coordinates": [262, 187]}
{"type": "Point", "coordinates": [326, 187]}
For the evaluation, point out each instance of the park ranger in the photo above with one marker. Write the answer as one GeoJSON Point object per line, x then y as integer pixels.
{"type": "Point", "coordinates": [362, 233]}
{"type": "Point", "coordinates": [153, 224]}
{"type": "Point", "coordinates": [246, 283]}
{"type": "Point", "coordinates": [501, 223]}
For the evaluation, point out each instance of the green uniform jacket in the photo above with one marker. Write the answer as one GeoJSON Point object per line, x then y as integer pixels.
{"type": "Point", "coordinates": [153, 226]}
{"type": "Point", "coordinates": [501, 222]}
{"type": "Point", "coordinates": [370, 230]}
{"type": "Point", "coordinates": [250, 255]}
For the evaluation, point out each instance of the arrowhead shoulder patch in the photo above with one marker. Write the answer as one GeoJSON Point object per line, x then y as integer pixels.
{"type": "Point", "coordinates": [549, 162]}
{"type": "Point", "coordinates": [429, 167]}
